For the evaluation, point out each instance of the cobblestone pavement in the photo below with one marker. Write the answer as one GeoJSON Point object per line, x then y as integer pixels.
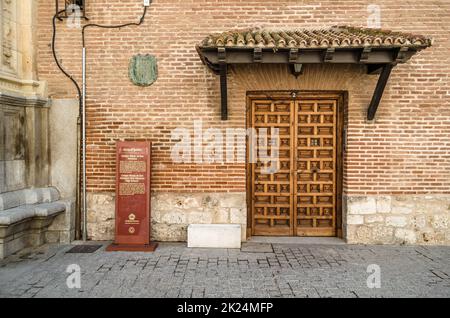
{"type": "Point", "coordinates": [176, 271]}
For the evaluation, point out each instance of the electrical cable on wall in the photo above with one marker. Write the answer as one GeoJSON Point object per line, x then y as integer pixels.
{"type": "Point", "coordinates": [112, 26]}
{"type": "Point", "coordinates": [82, 93]}
{"type": "Point", "coordinates": [77, 86]}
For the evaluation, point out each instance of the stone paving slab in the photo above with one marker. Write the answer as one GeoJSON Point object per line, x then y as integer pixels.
{"type": "Point", "coordinates": [290, 270]}
{"type": "Point", "coordinates": [252, 247]}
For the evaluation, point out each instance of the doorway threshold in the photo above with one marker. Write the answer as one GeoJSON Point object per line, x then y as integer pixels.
{"type": "Point", "coordinates": [297, 240]}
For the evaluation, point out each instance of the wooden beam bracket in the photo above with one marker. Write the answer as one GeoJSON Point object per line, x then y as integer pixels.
{"type": "Point", "coordinates": [221, 55]}
{"type": "Point", "coordinates": [400, 56]}
{"type": "Point", "coordinates": [293, 55]}
{"type": "Point", "coordinates": [379, 89]}
{"type": "Point", "coordinates": [223, 91]}
{"type": "Point", "coordinates": [329, 54]}
{"type": "Point", "coordinates": [374, 68]}
{"type": "Point", "coordinates": [257, 55]}
{"type": "Point", "coordinates": [364, 56]}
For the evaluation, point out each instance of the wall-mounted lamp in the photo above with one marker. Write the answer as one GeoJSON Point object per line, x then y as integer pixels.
{"type": "Point", "coordinates": [71, 7]}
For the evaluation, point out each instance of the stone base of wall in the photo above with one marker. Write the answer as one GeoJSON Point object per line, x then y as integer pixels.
{"type": "Point", "coordinates": [399, 219]}
{"type": "Point", "coordinates": [171, 213]}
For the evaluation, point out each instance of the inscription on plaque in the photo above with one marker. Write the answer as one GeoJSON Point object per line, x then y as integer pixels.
{"type": "Point", "coordinates": [133, 193]}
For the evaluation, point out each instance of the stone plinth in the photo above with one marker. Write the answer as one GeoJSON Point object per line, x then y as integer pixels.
{"type": "Point", "coordinates": [214, 235]}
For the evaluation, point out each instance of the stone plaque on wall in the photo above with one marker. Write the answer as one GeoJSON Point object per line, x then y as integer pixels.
{"type": "Point", "coordinates": [133, 171]}
{"type": "Point", "coordinates": [143, 70]}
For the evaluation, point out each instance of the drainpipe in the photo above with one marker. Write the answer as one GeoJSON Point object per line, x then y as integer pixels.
{"type": "Point", "coordinates": [78, 227]}
{"type": "Point", "coordinates": [83, 141]}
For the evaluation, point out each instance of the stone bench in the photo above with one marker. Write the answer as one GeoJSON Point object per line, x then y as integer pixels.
{"type": "Point", "coordinates": [25, 216]}
{"type": "Point", "coordinates": [214, 235]}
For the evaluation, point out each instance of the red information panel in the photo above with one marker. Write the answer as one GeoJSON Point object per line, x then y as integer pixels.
{"type": "Point", "coordinates": [133, 170]}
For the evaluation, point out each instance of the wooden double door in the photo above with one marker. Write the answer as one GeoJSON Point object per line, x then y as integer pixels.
{"type": "Point", "coordinates": [294, 164]}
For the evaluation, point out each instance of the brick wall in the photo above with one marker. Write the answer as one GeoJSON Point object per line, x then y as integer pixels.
{"type": "Point", "coordinates": [406, 150]}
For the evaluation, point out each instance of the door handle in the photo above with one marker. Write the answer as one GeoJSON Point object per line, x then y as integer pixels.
{"type": "Point", "coordinates": [315, 170]}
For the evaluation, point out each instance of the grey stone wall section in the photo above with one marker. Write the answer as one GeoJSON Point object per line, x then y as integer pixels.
{"type": "Point", "coordinates": [63, 140]}
{"type": "Point", "coordinates": [171, 213]}
{"type": "Point", "coordinates": [62, 229]}
{"type": "Point", "coordinates": [101, 216]}
{"type": "Point", "coordinates": [399, 219]}
{"type": "Point", "coordinates": [24, 142]}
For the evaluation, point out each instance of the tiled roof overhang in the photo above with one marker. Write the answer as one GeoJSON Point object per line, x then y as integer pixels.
{"type": "Point", "coordinates": [343, 44]}
{"type": "Point", "coordinates": [378, 49]}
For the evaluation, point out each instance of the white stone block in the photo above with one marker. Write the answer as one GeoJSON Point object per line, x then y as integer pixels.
{"type": "Point", "coordinates": [238, 216]}
{"type": "Point", "coordinates": [233, 200]}
{"type": "Point", "coordinates": [440, 221]}
{"type": "Point", "coordinates": [419, 221]}
{"type": "Point", "coordinates": [384, 204]}
{"type": "Point", "coordinates": [222, 215]}
{"type": "Point", "coordinates": [402, 210]}
{"type": "Point", "coordinates": [374, 219]}
{"type": "Point", "coordinates": [174, 217]}
{"type": "Point", "coordinates": [361, 205]}
{"type": "Point", "coordinates": [199, 217]}
{"type": "Point", "coordinates": [396, 221]}
{"type": "Point", "coordinates": [355, 219]}
{"type": "Point", "coordinates": [407, 236]}
{"type": "Point", "coordinates": [214, 235]}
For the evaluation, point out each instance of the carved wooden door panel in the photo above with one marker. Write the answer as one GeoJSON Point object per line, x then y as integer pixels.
{"type": "Point", "coordinates": [272, 190]}
{"type": "Point", "coordinates": [315, 174]}
{"type": "Point", "coordinates": [299, 197]}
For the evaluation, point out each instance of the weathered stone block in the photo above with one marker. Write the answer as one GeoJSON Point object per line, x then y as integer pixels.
{"type": "Point", "coordinates": [419, 222]}
{"type": "Point", "coordinates": [403, 205]}
{"type": "Point", "coordinates": [200, 217]}
{"type": "Point", "coordinates": [350, 234]}
{"type": "Point", "coordinates": [191, 202]}
{"type": "Point", "coordinates": [238, 216]}
{"type": "Point", "coordinates": [361, 205]}
{"type": "Point", "coordinates": [396, 221]}
{"type": "Point", "coordinates": [101, 216]}
{"type": "Point", "coordinates": [355, 219]}
{"type": "Point", "coordinates": [174, 217]}
{"type": "Point", "coordinates": [363, 234]}
{"type": "Point", "coordinates": [405, 236]}
{"type": "Point", "coordinates": [232, 200]}
{"type": "Point", "coordinates": [222, 215]}
{"type": "Point", "coordinates": [169, 232]}
{"type": "Point", "coordinates": [373, 219]}
{"type": "Point", "coordinates": [382, 234]}
{"type": "Point", "coordinates": [440, 221]}
{"type": "Point", "coordinates": [383, 204]}
{"type": "Point", "coordinates": [210, 201]}
{"type": "Point", "coordinates": [429, 236]}
{"type": "Point", "coordinates": [407, 209]}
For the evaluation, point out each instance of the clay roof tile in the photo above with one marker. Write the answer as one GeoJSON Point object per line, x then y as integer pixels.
{"type": "Point", "coordinates": [335, 37]}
